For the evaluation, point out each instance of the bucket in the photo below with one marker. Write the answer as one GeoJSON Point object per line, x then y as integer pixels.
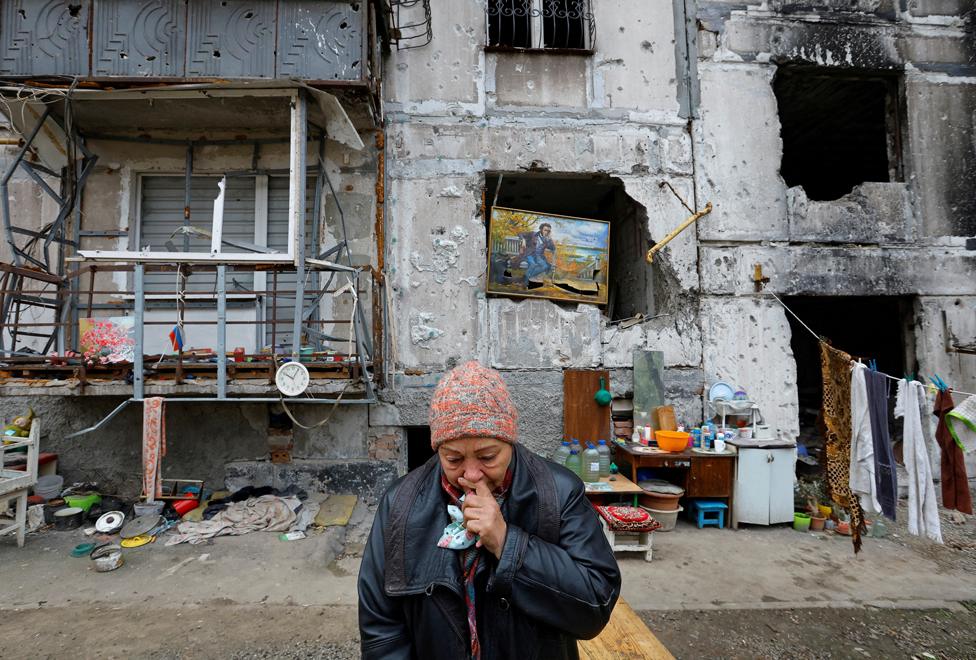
{"type": "Point", "coordinates": [148, 508]}
{"type": "Point", "coordinates": [801, 522]}
{"type": "Point", "coordinates": [49, 486]}
{"type": "Point", "coordinates": [668, 519]}
{"type": "Point", "coordinates": [659, 501]}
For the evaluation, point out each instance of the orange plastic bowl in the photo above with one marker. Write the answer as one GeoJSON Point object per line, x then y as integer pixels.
{"type": "Point", "coordinates": [672, 440]}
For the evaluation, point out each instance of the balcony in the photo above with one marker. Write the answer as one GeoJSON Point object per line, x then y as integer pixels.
{"type": "Point", "coordinates": [323, 42]}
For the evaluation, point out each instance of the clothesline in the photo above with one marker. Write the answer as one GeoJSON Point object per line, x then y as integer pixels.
{"type": "Point", "coordinates": [817, 337]}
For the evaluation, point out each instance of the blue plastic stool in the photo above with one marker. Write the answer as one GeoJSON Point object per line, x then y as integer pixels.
{"type": "Point", "coordinates": [710, 513]}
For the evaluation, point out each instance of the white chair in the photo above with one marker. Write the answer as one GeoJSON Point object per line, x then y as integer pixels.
{"type": "Point", "coordinates": [15, 484]}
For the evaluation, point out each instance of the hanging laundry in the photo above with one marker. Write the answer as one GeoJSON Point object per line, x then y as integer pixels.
{"type": "Point", "coordinates": [153, 444]}
{"type": "Point", "coordinates": [923, 507]}
{"type": "Point", "coordinates": [961, 421]}
{"type": "Point", "coordinates": [836, 371]}
{"type": "Point", "coordinates": [955, 485]}
{"type": "Point", "coordinates": [862, 470]}
{"type": "Point", "coordinates": [885, 476]}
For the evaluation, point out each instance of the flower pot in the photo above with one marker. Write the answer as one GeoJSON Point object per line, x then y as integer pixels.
{"type": "Point", "coordinates": [825, 511]}
{"type": "Point", "coordinates": [801, 522]}
{"type": "Point", "coordinates": [817, 523]}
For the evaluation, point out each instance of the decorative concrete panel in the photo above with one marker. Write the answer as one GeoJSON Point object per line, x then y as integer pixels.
{"type": "Point", "coordinates": [232, 38]}
{"type": "Point", "coordinates": [139, 39]}
{"type": "Point", "coordinates": [44, 37]}
{"type": "Point", "coordinates": [321, 40]}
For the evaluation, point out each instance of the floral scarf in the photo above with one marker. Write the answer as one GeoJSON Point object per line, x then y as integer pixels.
{"type": "Point", "coordinates": [470, 553]}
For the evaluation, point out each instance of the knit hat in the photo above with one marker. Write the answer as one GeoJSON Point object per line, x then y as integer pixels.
{"type": "Point", "coordinates": [472, 400]}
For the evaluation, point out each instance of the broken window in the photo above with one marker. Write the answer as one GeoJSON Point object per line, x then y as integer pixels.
{"type": "Point", "coordinates": [839, 129]}
{"type": "Point", "coordinates": [540, 24]}
{"type": "Point", "coordinates": [629, 280]}
{"type": "Point", "coordinates": [255, 212]}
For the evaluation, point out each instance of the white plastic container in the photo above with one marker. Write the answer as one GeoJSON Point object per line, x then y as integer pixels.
{"type": "Point", "coordinates": [668, 519]}
{"type": "Point", "coordinates": [49, 486]}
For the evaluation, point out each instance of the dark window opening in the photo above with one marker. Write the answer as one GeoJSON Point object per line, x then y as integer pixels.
{"type": "Point", "coordinates": [867, 327]}
{"type": "Point", "coordinates": [540, 24]}
{"type": "Point", "coordinates": [418, 446]}
{"type": "Point", "coordinates": [838, 129]}
{"type": "Point", "coordinates": [629, 278]}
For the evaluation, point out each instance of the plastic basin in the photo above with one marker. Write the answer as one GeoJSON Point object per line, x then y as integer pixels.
{"type": "Point", "coordinates": [672, 440]}
{"type": "Point", "coordinates": [49, 486]}
{"type": "Point", "coordinates": [668, 519]}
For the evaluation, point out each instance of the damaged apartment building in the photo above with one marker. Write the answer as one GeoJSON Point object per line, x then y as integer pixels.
{"type": "Point", "coordinates": [315, 180]}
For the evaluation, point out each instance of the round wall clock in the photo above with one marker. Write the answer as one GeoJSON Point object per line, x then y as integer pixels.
{"type": "Point", "coordinates": [292, 378]}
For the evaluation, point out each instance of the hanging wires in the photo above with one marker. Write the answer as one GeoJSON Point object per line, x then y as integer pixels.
{"type": "Point", "coordinates": [821, 340]}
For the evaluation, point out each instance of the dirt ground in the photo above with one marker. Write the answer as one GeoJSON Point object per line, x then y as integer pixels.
{"type": "Point", "coordinates": [223, 630]}
{"type": "Point", "coordinates": [818, 633]}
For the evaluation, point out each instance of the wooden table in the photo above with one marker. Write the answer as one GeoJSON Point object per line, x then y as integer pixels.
{"type": "Point", "coordinates": [620, 485]}
{"type": "Point", "coordinates": [701, 475]}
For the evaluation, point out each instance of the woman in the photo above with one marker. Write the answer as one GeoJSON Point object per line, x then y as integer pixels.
{"type": "Point", "coordinates": [486, 551]}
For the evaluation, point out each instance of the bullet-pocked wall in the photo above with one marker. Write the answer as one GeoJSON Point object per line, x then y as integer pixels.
{"type": "Point", "coordinates": [458, 116]}
{"type": "Point", "coordinates": [458, 113]}
{"type": "Point", "coordinates": [777, 87]}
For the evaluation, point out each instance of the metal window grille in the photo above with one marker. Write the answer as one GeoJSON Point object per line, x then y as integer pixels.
{"type": "Point", "coordinates": [540, 24]}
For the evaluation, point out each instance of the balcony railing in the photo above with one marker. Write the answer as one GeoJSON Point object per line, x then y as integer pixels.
{"type": "Point", "coordinates": [314, 40]}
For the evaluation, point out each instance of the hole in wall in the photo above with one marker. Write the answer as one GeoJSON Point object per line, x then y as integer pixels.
{"type": "Point", "coordinates": [869, 327]}
{"type": "Point", "coordinates": [839, 129]}
{"type": "Point", "coordinates": [418, 446]}
{"type": "Point", "coordinates": [629, 279]}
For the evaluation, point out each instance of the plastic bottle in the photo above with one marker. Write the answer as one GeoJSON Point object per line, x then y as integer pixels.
{"type": "Point", "coordinates": [573, 462]}
{"type": "Point", "coordinates": [561, 454]}
{"type": "Point", "coordinates": [591, 464]}
{"type": "Point", "coordinates": [576, 445]}
{"type": "Point", "coordinates": [604, 451]}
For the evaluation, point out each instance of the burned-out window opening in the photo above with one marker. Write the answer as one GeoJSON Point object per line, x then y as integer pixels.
{"type": "Point", "coordinates": [540, 24]}
{"type": "Point", "coordinates": [839, 129]}
{"type": "Point", "coordinates": [630, 281]}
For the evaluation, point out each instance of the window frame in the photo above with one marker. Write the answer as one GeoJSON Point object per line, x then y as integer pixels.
{"type": "Point", "coordinates": [536, 27]}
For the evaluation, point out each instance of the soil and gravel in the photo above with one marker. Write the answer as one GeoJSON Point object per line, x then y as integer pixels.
{"type": "Point", "coordinates": [818, 633]}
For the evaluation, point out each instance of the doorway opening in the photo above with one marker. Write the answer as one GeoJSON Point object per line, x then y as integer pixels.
{"type": "Point", "coordinates": [867, 327]}
{"type": "Point", "coordinates": [418, 446]}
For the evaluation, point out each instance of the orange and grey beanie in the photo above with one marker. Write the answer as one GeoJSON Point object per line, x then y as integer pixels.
{"type": "Point", "coordinates": [472, 400]}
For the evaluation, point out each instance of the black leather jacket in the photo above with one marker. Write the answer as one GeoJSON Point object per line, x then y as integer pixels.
{"type": "Point", "coordinates": [535, 602]}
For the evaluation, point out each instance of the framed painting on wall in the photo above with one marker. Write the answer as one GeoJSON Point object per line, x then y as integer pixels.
{"type": "Point", "coordinates": [542, 255]}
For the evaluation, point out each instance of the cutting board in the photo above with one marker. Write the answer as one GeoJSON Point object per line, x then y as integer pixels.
{"type": "Point", "coordinates": [583, 418]}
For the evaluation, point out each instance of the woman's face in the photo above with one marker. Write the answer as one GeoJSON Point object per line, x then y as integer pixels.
{"type": "Point", "coordinates": [475, 459]}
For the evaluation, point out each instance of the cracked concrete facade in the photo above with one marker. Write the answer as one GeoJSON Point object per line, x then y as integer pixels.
{"type": "Point", "coordinates": [648, 104]}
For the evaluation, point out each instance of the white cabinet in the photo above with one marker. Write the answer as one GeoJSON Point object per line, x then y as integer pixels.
{"type": "Point", "coordinates": [764, 485]}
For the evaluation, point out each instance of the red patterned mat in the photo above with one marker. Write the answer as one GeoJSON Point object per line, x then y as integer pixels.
{"type": "Point", "coordinates": [627, 518]}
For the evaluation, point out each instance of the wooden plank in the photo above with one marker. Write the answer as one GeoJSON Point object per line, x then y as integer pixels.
{"type": "Point", "coordinates": [625, 638]}
{"type": "Point", "coordinates": [583, 418]}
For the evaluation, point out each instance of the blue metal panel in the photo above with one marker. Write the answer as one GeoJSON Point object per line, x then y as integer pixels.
{"type": "Point", "coordinates": [139, 38]}
{"type": "Point", "coordinates": [231, 38]}
{"type": "Point", "coordinates": [321, 40]}
{"type": "Point", "coordinates": [44, 37]}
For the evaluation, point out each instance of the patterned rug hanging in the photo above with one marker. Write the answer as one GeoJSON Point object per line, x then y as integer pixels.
{"type": "Point", "coordinates": [836, 369]}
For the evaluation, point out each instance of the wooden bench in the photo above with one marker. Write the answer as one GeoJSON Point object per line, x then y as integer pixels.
{"type": "Point", "coordinates": [625, 638]}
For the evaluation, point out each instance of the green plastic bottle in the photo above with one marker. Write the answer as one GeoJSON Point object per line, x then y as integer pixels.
{"type": "Point", "coordinates": [574, 463]}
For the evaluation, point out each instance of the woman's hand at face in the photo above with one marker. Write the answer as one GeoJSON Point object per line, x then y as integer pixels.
{"type": "Point", "coordinates": [483, 516]}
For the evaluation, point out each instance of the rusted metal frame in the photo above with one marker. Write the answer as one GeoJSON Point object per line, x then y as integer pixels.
{"type": "Point", "coordinates": [378, 319]}
{"type": "Point", "coordinates": [299, 144]}
{"type": "Point", "coordinates": [138, 380]}
{"type": "Point", "coordinates": [317, 201]}
{"type": "Point", "coordinates": [67, 205]}
{"type": "Point", "coordinates": [3, 306]}
{"type": "Point", "coordinates": [4, 188]}
{"type": "Point", "coordinates": [16, 324]}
